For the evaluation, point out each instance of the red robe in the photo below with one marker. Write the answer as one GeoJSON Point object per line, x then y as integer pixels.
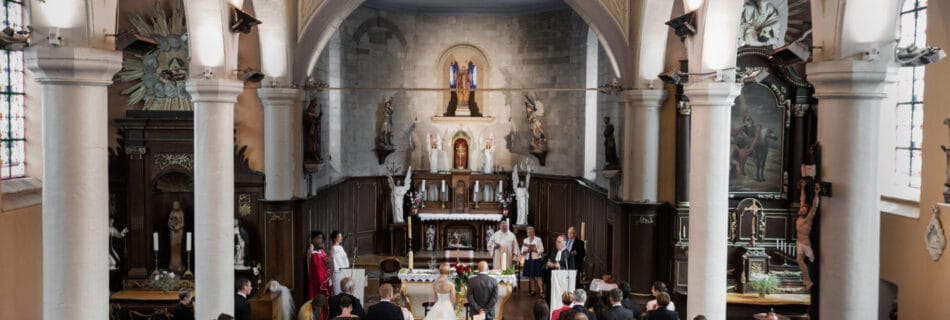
{"type": "Point", "coordinates": [320, 278]}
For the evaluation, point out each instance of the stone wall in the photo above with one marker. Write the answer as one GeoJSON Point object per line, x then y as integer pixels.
{"type": "Point", "coordinates": [383, 49]}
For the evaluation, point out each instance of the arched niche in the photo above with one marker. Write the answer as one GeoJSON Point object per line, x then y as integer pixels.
{"type": "Point", "coordinates": [463, 54]}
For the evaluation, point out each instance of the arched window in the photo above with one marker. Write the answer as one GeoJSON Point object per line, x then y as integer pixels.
{"type": "Point", "coordinates": [12, 131]}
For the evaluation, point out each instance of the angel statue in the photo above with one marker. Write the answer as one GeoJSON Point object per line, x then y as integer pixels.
{"type": "Point", "coordinates": [114, 233]}
{"type": "Point", "coordinates": [434, 148]}
{"type": "Point", "coordinates": [535, 111]}
{"type": "Point", "coordinates": [521, 195]}
{"type": "Point", "coordinates": [399, 193]}
{"type": "Point", "coordinates": [489, 151]}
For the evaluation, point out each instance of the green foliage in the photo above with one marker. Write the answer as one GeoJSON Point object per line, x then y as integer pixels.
{"type": "Point", "coordinates": [765, 284]}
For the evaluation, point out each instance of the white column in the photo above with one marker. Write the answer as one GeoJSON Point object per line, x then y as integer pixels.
{"type": "Point", "coordinates": [850, 95]}
{"type": "Point", "coordinates": [709, 196]}
{"type": "Point", "coordinates": [641, 144]}
{"type": "Point", "coordinates": [75, 164]}
{"type": "Point", "coordinates": [279, 147]}
{"type": "Point", "coordinates": [214, 101]}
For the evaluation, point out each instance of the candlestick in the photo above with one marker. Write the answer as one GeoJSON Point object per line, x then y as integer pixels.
{"type": "Point", "coordinates": [583, 231]}
{"type": "Point", "coordinates": [188, 241]}
{"type": "Point", "coordinates": [155, 241]}
{"type": "Point", "coordinates": [188, 273]}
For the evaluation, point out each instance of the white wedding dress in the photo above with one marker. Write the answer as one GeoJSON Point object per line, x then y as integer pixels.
{"type": "Point", "coordinates": [443, 308]}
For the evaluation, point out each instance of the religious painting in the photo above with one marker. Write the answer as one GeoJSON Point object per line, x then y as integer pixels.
{"type": "Point", "coordinates": [756, 155]}
{"type": "Point", "coordinates": [460, 154]}
{"type": "Point", "coordinates": [459, 237]}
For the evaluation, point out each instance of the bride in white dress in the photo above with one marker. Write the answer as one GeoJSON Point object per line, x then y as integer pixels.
{"type": "Point", "coordinates": [444, 289]}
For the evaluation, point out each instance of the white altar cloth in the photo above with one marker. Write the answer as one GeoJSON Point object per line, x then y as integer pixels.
{"type": "Point", "coordinates": [430, 275]}
{"type": "Point", "coordinates": [460, 217]}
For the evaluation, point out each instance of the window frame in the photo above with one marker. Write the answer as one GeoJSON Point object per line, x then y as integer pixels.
{"type": "Point", "coordinates": [7, 95]}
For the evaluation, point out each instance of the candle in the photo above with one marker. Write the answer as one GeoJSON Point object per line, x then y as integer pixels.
{"type": "Point", "coordinates": [500, 186]}
{"type": "Point", "coordinates": [423, 186]}
{"type": "Point", "coordinates": [443, 185]}
{"type": "Point", "coordinates": [188, 241]}
{"type": "Point", "coordinates": [155, 241]}
{"type": "Point", "coordinates": [476, 185]}
{"type": "Point", "coordinates": [409, 221]}
{"type": "Point", "coordinates": [583, 231]}
{"type": "Point", "coordinates": [504, 261]}
{"type": "Point", "coordinates": [411, 260]}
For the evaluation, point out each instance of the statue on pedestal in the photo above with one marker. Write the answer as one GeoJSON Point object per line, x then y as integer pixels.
{"type": "Point", "coordinates": [313, 116]}
{"type": "Point", "coordinates": [521, 195]}
{"type": "Point", "coordinates": [114, 234]}
{"type": "Point", "coordinates": [384, 139]}
{"type": "Point", "coordinates": [489, 151]}
{"type": "Point", "coordinates": [434, 148]}
{"type": "Point", "coordinates": [398, 194]}
{"type": "Point", "coordinates": [611, 161]}
{"type": "Point", "coordinates": [539, 143]}
{"type": "Point", "coordinates": [240, 246]}
{"type": "Point", "coordinates": [430, 238]}
{"type": "Point", "coordinates": [176, 227]}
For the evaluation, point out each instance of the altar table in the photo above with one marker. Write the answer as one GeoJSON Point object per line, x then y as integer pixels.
{"type": "Point", "coordinates": [417, 285]}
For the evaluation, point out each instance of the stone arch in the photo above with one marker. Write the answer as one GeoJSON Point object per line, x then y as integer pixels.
{"type": "Point", "coordinates": [327, 18]}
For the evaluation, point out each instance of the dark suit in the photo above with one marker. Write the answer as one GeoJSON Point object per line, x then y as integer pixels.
{"type": "Point", "coordinates": [384, 310]}
{"type": "Point", "coordinates": [482, 295]}
{"type": "Point", "coordinates": [564, 263]}
{"type": "Point", "coordinates": [183, 312]}
{"type": "Point", "coordinates": [662, 314]}
{"type": "Point", "coordinates": [569, 314]}
{"type": "Point", "coordinates": [242, 309]}
{"type": "Point", "coordinates": [336, 310]}
{"type": "Point", "coordinates": [579, 251]}
{"type": "Point", "coordinates": [635, 308]}
{"type": "Point", "coordinates": [619, 313]}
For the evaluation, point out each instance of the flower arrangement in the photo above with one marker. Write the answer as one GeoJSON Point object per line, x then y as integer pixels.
{"type": "Point", "coordinates": [165, 281]}
{"type": "Point", "coordinates": [415, 201]}
{"type": "Point", "coordinates": [764, 284]}
{"type": "Point", "coordinates": [504, 199]}
{"type": "Point", "coordinates": [462, 273]}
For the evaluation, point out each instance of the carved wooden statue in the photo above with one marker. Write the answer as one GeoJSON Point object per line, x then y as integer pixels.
{"type": "Point", "coordinates": [611, 161]}
{"type": "Point", "coordinates": [176, 226]}
{"type": "Point", "coordinates": [313, 117]}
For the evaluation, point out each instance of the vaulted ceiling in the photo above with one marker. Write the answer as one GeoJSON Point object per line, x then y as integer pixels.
{"type": "Point", "coordinates": [468, 7]}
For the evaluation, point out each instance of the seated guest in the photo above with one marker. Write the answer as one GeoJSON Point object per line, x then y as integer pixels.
{"type": "Point", "coordinates": [661, 312]}
{"type": "Point", "coordinates": [580, 298]}
{"type": "Point", "coordinates": [402, 302]}
{"type": "Point", "coordinates": [595, 304]}
{"type": "Point", "coordinates": [225, 316]}
{"type": "Point", "coordinates": [581, 316]}
{"type": "Point", "coordinates": [346, 309]}
{"type": "Point", "coordinates": [313, 309]}
{"type": "Point", "coordinates": [627, 303]}
{"type": "Point", "coordinates": [699, 317]}
{"type": "Point", "coordinates": [617, 311]}
{"type": "Point", "coordinates": [659, 287]}
{"type": "Point", "coordinates": [347, 286]}
{"type": "Point", "coordinates": [185, 309]}
{"type": "Point", "coordinates": [567, 298]}
{"type": "Point", "coordinates": [541, 310]}
{"type": "Point", "coordinates": [385, 309]}
{"type": "Point", "coordinates": [242, 309]}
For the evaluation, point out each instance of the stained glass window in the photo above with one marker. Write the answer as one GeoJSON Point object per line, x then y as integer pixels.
{"type": "Point", "coordinates": [12, 129]}
{"type": "Point", "coordinates": [910, 98]}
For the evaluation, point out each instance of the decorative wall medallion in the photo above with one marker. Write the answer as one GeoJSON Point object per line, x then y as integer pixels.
{"type": "Point", "coordinates": [278, 216]}
{"type": "Point", "coordinates": [164, 161]}
{"type": "Point", "coordinates": [645, 220]}
{"type": "Point", "coordinates": [159, 76]}
{"type": "Point", "coordinates": [799, 110]}
{"type": "Point", "coordinates": [683, 108]}
{"type": "Point", "coordinates": [934, 238]}
{"type": "Point", "coordinates": [244, 205]}
{"type": "Point", "coordinates": [135, 152]}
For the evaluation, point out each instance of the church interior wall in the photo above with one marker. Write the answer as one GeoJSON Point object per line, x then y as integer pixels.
{"type": "Point", "coordinates": [21, 258]}
{"type": "Point", "coordinates": [904, 258]}
{"type": "Point", "coordinates": [523, 51]}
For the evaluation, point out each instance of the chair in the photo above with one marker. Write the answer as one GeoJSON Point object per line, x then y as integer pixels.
{"type": "Point", "coordinates": [389, 272]}
{"type": "Point", "coordinates": [426, 306]}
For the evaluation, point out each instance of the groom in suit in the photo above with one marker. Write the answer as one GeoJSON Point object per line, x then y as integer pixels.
{"type": "Point", "coordinates": [385, 309]}
{"type": "Point", "coordinates": [482, 292]}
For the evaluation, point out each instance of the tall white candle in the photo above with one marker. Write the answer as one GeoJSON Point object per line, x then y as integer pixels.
{"type": "Point", "coordinates": [423, 186]}
{"type": "Point", "coordinates": [504, 261]}
{"type": "Point", "coordinates": [500, 186]}
{"type": "Point", "coordinates": [411, 260]}
{"type": "Point", "coordinates": [583, 231]}
{"type": "Point", "coordinates": [409, 222]}
{"type": "Point", "coordinates": [188, 241]}
{"type": "Point", "coordinates": [476, 185]}
{"type": "Point", "coordinates": [443, 185]}
{"type": "Point", "coordinates": [155, 241]}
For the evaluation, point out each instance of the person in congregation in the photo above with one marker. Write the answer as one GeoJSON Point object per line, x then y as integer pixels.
{"type": "Point", "coordinates": [532, 249]}
{"type": "Point", "coordinates": [336, 302]}
{"type": "Point", "coordinates": [385, 309]}
{"type": "Point", "coordinates": [402, 301]}
{"type": "Point", "coordinates": [242, 309]}
{"type": "Point", "coordinates": [578, 251]}
{"type": "Point", "coordinates": [658, 288]}
{"type": "Point", "coordinates": [627, 303]}
{"type": "Point", "coordinates": [318, 267]}
{"type": "Point", "coordinates": [540, 310]}
{"type": "Point", "coordinates": [662, 312]}
{"type": "Point", "coordinates": [315, 309]}
{"type": "Point", "coordinates": [579, 306]}
{"type": "Point", "coordinates": [340, 260]}
{"type": "Point", "coordinates": [346, 307]}
{"type": "Point", "coordinates": [185, 309]}
{"type": "Point", "coordinates": [567, 298]}
{"type": "Point", "coordinates": [503, 245]}
{"type": "Point", "coordinates": [617, 311]}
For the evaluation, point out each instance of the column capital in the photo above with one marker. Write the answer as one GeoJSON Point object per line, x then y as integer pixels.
{"type": "Point", "coordinates": [848, 79]}
{"type": "Point", "coordinates": [712, 94]}
{"type": "Point", "coordinates": [73, 66]}
{"type": "Point", "coordinates": [644, 98]}
{"type": "Point", "coordinates": [278, 96]}
{"type": "Point", "coordinates": [214, 90]}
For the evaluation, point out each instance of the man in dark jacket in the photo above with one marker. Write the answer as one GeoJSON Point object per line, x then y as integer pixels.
{"type": "Point", "coordinates": [185, 310]}
{"type": "Point", "coordinates": [661, 312]}
{"type": "Point", "coordinates": [347, 286]}
{"type": "Point", "coordinates": [617, 311]}
{"type": "Point", "coordinates": [482, 292]}
{"type": "Point", "coordinates": [627, 303]}
{"type": "Point", "coordinates": [385, 309]}
{"type": "Point", "coordinates": [580, 297]}
{"type": "Point", "coordinates": [242, 309]}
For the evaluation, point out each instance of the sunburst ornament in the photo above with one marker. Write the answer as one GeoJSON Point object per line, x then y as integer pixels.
{"type": "Point", "coordinates": [160, 75]}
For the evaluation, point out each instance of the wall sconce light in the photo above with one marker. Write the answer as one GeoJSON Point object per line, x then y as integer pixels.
{"type": "Point", "coordinates": [134, 43]}
{"type": "Point", "coordinates": [912, 56]}
{"type": "Point", "coordinates": [15, 40]}
{"type": "Point", "coordinates": [207, 73]}
{"type": "Point", "coordinates": [53, 36]}
{"type": "Point", "coordinates": [671, 77]}
{"type": "Point", "coordinates": [242, 21]}
{"type": "Point", "coordinates": [791, 53]}
{"type": "Point", "coordinates": [251, 75]}
{"type": "Point", "coordinates": [684, 25]}
{"type": "Point", "coordinates": [756, 76]}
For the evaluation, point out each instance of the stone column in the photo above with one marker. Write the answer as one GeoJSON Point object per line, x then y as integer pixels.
{"type": "Point", "coordinates": [214, 101]}
{"type": "Point", "coordinates": [850, 95]}
{"type": "Point", "coordinates": [683, 112]}
{"type": "Point", "coordinates": [711, 104]}
{"type": "Point", "coordinates": [76, 177]}
{"type": "Point", "coordinates": [279, 147]}
{"type": "Point", "coordinates": [641, 144]}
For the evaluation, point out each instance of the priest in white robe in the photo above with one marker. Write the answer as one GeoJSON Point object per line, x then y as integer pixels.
{"type": "Point", "coordinates": [503, 245]}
